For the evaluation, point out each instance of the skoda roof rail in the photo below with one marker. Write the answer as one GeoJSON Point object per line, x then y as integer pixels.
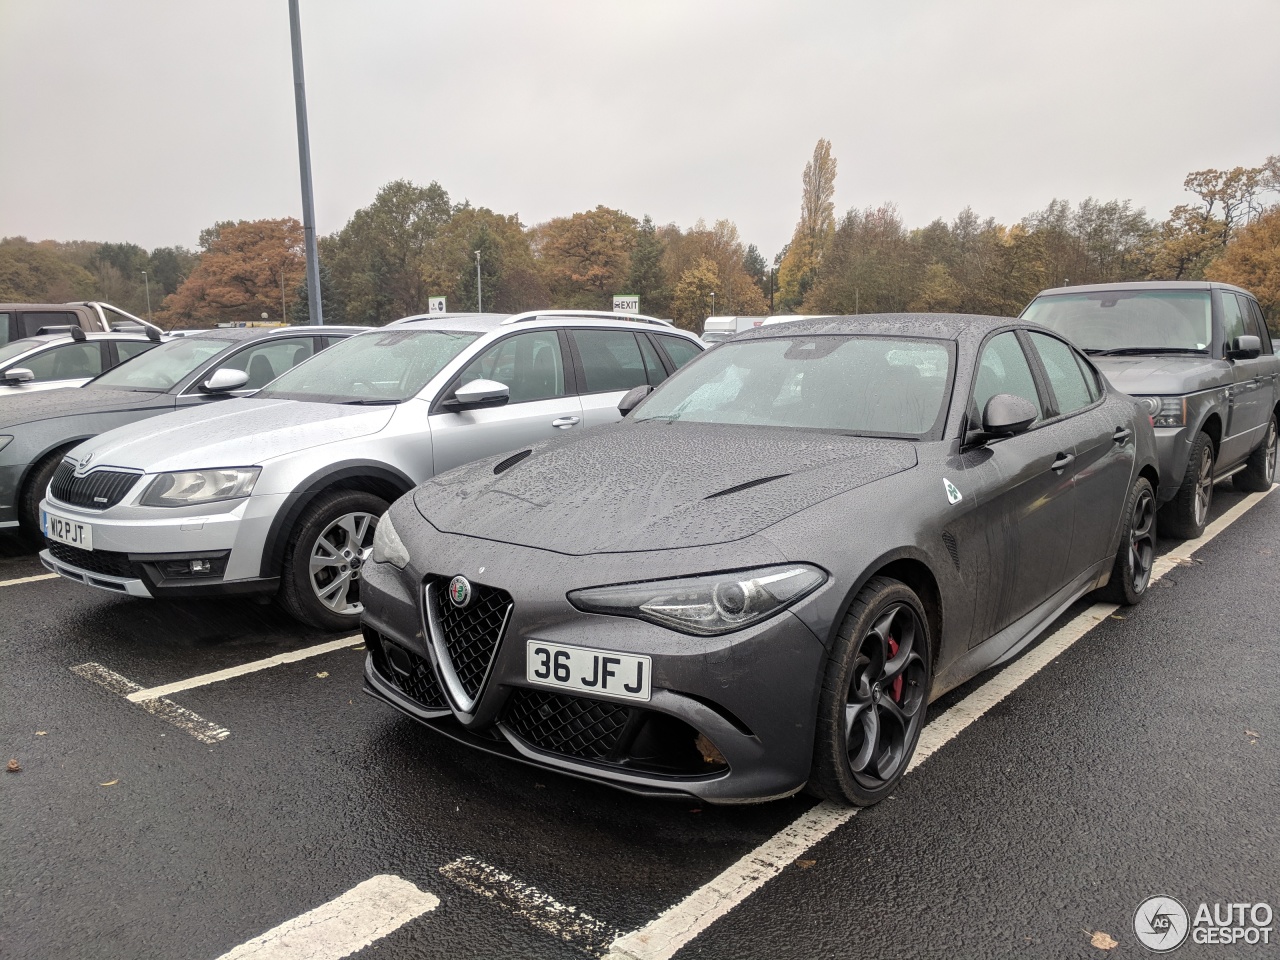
{"type": "Point", "coordinates": [588, 314]}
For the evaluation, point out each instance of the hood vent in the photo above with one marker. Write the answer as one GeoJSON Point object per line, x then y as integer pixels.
{"type": "Point", "coordinates": [746, 486]}
{"type": "Point", "coordinates": [505, 465]}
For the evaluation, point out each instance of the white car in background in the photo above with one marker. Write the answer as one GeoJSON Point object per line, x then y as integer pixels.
{"type": "Point", "coordinates": [52, 360]}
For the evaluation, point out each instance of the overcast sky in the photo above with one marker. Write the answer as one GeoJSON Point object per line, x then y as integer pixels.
{"type": "Point", "coordinates": [147, 120]}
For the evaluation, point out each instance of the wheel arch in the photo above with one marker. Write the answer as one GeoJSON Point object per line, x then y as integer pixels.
{"type": "Point", "coordinates": [1212, 426]}
{"type": "Point", "coordinates": [61, 448]}
{"type": "Point", "coordinates": [376, 478]}
{"type": "Point", "coordinates": [910, 566]}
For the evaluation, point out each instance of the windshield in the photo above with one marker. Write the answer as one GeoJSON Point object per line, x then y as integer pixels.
{"type": "Point", "coordinates": [161, 367]}
{"type": "Point", "coordinates": [386, 367]}
{"type": "Point", "coordinates": [17, 348]}
{"type": "Point", "coordinates": [862, 385]}
{"type": "Point", "coordinates": [1146, 321]}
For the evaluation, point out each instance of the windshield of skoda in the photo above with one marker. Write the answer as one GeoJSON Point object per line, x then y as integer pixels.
{"type": "Point", "coordinates": [874, 386]}
{"type": "Point", "coordinates": [1129, 321]}
{"type": "Point", "coordinates": [386, 367]}
{"type": "Point", "coordinates": [161, 367]}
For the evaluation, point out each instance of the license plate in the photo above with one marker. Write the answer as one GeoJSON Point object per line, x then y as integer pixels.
{"type": "Point", "coordinates": [588, 671]}
{"type": "Point", "coordinates": [71, 532]}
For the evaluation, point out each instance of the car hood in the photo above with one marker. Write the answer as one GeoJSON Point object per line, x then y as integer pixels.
{"type": "Point", "coordinates": [655, 486]}
{"type": "Point", "coordinates": [1163, 374]}
{"type": "Point", "coordinates": [71, 401]}
{"type": "Point", "coordinates": [231, 433]}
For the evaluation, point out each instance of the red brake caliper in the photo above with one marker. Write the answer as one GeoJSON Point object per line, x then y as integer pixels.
{"type": "Point", "coordinates": [897, 684]}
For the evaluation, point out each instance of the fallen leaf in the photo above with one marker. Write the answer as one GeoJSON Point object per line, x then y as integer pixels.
{"type": "Point", "coordinates": [110, 783]}
{"type": "Point", "coordinates": [41, 733]}
{"type": "Point", "coordinates": [322, 674]}
{"type": "Point", "coordinates": [359, 648]}
{"type": "Point", "coordinates": [1250, 733]}
{"type": "Point", "coordinates": [1115, 617]}
{"type": "Point", "coordinates": [805, 864]}
{"type": "Point", "coordinates": [13, 767]}
{"type": "Point", "coordinates": [1103, 941]}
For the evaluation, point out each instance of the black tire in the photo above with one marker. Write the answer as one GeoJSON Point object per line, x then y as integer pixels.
{"type": "Point", "coordinates": [33, 492]}
{"type": "Point", "coordinates": [300, 594]}
{"type": "Point", "coordinates": [1260, 469]}
{"type": "Point", "coordinates": [874, 696]}
{"type": "Point", "coordinates": [1187, 513]}
{"type": "Point", "coordinates": [1131, 573]}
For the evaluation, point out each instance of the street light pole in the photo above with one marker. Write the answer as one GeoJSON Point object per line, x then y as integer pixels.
{"type": "Point", "coordinates": [304, 164]}
{"type": "Point", "coordinates": [479, 297]}
{"type": "Point", "coordinates": [148, 285]}
{"type": "Point", "coordinates": [713, 303]}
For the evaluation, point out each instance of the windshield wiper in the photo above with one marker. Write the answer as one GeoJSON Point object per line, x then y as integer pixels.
{"type": "Point", "coordinates": [1123, 351]}
{"type": "Point", "coordinates": [367, 402]}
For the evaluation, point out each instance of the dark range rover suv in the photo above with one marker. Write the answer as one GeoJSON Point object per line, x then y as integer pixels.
{"type": "Point", "coordinates": [1199, 358]}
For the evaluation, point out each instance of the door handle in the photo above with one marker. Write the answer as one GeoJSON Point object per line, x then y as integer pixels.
{"type": "Point", "coordinates": [1122, 434]}
{"type": "Point", "coordinates": [1063, 461]}
{"type": "Point", "coordinates": [564, 423]}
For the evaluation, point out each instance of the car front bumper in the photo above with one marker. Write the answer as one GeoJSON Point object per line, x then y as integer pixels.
{"type": "Point", "coordinates": [751, 695]}
{"type": "Point", "coordinates": [1173, 448]}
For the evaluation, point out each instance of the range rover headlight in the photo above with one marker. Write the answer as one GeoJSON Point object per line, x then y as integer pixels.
{"type": "Point", "coordinates": [191, 487]}
{"type": "Point", "coordinates": [387, 546]}
{"type": "Point", "coordinates": [1165, 411]}
{"type": "Point", "coordinates": [706, 606]}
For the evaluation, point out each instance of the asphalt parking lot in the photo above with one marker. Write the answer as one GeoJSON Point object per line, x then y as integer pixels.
{"type": "Point", "coordinates": [1142, 759]}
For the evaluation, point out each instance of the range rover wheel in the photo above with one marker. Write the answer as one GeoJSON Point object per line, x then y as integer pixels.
{"type": "Point", "coordinates": [331, 542]}
{"type": "Point", "coordinates": [1131, 574]}
{"type": "Point", "coordinates": [874, 696]}
{"type": "Point", "coordinates": [1260, 469]}
{"type": "Point", "coordinates": [1187, 513]}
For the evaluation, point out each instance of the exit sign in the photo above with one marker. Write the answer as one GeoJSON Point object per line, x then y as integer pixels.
{"type": "Point", "coordinates": [626, 304]}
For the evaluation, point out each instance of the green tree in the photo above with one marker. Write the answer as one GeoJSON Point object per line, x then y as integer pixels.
{"type": "Point", "coordinates": [802, 263]}
{"type": "Point", "coordinates": [35, 273]}
{"type": "Point", "coordinates": [648, 278]}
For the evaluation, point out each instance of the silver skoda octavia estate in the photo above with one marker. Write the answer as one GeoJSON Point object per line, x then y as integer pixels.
{"type": "Point", "coordinates": [762, 576]}
{"type": "Point", "coordinates": [281, 492]}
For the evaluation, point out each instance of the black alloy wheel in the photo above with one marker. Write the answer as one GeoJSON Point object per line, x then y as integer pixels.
{"type": "Point", "coordinates": [874, 697]}
{"type": "Point", "coordinates": [1136, 555]}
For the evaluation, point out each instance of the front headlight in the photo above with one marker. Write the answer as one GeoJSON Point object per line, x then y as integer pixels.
{"type": "Point", "coordinates": [1165, 411]}
{"type": "Point", "coordinates": [192, 487]}
{"type": "Point", "coordinates": [706, 606]}
{"type": "Point", "coordinates": [387, 547]}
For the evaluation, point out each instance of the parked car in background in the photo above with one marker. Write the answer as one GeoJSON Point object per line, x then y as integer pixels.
{"type": "Point", "coordinates": [37, 431]}
{"type": "Point", "coordinates": [1200, 359]}
{"type": "Point", "coordinates": [281, 493]}
{"type": "Point", "coordinates": [717, 329]}
{"type": "Point", "coordinates": [72, 359]}
{"type": "Point", "coordinates": [764, 574]}
{"type": "Point", "coordinates": [21, 320]}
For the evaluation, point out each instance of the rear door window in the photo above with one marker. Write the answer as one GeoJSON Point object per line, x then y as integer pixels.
{"type": "Point", "coordinates": [611, 360]}
{"type": "Point", "coordinates": [1070, 389]}
{"type": "Point", "coordinates": [680, 350]}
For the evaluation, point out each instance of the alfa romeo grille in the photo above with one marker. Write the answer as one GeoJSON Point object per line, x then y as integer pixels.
{"type": "Point", "coordinates": [559, 723]}
{"type": "Point", "coordinates": [95, 561]}
{"type": "Point", "coordinates": [470, 633]}
{"type": "Point", "coordinates": [97, 490]}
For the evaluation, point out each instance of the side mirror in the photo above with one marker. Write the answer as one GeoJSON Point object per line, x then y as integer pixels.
{"type": "Point", "coordinates": [477, 395]}
{"type": "Point", "coordinates": [1005, 416]}
{"type": "Point", "coordinates": [1245, 348]}
{"type": "Point", "coordinates": [224, 381]}
{"type": "Point", "coordinates": [16, 375]}
{"type": "Point", "coordinates": [631, 399]}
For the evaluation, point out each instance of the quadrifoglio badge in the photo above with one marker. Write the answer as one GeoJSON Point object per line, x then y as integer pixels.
{"type": "Point", "coordinates": [1162, 924]}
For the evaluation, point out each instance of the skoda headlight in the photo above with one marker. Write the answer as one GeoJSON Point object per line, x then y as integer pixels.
{"type": "Point", "coordinates": [191, 487]}
{"type": "Point", "coordinates": [1165, 411]}
{"type": "Point", "coordinates": [706, 606]}
{"type": "Point", "coordinates": [387, 547]}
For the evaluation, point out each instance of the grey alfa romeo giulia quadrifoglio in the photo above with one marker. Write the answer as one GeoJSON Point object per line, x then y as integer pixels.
{"type": "Point", "coordinates": [761, 577]}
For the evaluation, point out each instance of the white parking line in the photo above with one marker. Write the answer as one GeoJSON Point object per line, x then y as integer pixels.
{"type": "Point", "coordinates": [42, 576]}
{"type": "Point", "coordinates": [541, 910]}
{"type": "Point", "coordinates": [204, 679]}
{"type": "Point", "coordinates": [194, 724]}
{"type": "Point", "coordinates": [676, 927]}
{"type": "Point", "coordinates": [365, 913]}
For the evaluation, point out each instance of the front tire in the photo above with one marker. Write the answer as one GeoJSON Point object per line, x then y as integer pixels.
{"type": "Point", "coordinates": [331, 542]}
{"type": "Point", "coordinates": [874, 696]}
{"type": "Point", "coordinates": [1131, 573]}
{"type": "Point", "coordinates": [1260, 469]}
{"type": "Point", "coordinates": [1187, 513]}
{"type": "Point", "coordinates": [33, 492]}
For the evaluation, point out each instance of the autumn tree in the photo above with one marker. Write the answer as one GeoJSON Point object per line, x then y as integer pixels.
{"type": "Point", "coordinates": [510, 276]}
{"type": "Point", "coordinates": [817, 225]}
{"type": "Point", "coordinates": [736, 292]}
{"type": "Point", "coordinates": [247, 269]}
{"type": "Point", "coordinates": [586, 257]}
{"type": "Point", "coordinates": [1252, 261]}
{"type": "Point", "coordinates": [36, 273]}
{"type": "Point", "coordinates": [691, 302]}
